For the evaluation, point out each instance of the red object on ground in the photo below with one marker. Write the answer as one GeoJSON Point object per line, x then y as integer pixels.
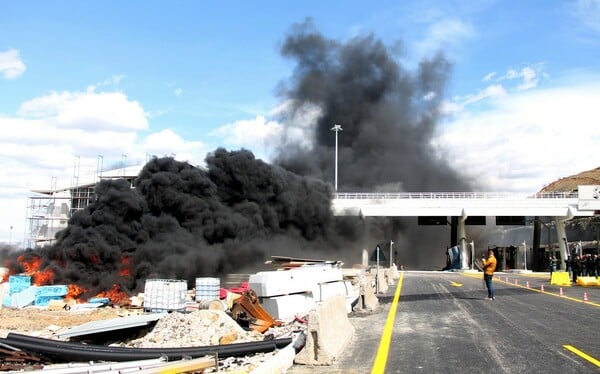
{"type": "Point", "coordinates": [222, 293]}
{"type": "Point", "coordinates": [245, 286]}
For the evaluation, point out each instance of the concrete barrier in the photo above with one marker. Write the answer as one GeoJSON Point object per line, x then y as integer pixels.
{"type": "Point", "coordinates": [368, 299]}
{"type": "Point", "coordinates": [560, 278]}
{"type": "Point", "coordinates": [587, 281]}
{"type": "Point", "coordinates": [328, 333]}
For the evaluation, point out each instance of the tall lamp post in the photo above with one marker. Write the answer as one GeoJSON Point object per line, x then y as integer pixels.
{"type": "Point", "coordinates": [336, 128]}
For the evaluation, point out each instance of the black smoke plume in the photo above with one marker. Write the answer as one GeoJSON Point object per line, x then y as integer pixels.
{"type": "Point", "coordinates": [389, 116]}
{"type": "Point", "coordinates": [182, 222]}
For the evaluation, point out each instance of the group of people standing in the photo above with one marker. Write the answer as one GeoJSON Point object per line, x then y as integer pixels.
{"type": "Point", "coordinates": [586, 265]}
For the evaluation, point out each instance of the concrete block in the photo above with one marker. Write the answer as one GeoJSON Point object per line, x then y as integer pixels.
{"type": "Point", "coordinates": [284, 282]}
{"type": "Point", "coordinates": [381, 281]}
{"type": "Point", "coordinates": [394, 273]}
{"type": "Point", "coordinates": [287, 306]}
{"type": "Point", "coordinates": [328, 333]}
{"type": "Point", "coordinates": [368, 297]}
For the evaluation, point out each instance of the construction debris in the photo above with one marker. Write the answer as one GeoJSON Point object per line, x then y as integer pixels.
{"type": "Point", "coordinates": [248, 311]}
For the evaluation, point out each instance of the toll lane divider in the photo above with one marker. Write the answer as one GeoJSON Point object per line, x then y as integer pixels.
{"type": "Point", "coordinates": [386, 336]}
{"type": "Point", "coordinates": [498, 279]}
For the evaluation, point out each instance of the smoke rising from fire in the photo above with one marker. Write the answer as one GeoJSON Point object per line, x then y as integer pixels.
{"type": "Point", "coordinates": [388, 115]}
{"type": "Point", "coordinates": [183, 222]}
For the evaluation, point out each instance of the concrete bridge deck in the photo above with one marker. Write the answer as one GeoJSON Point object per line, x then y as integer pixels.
{"type": "Point", "coordinates": [459, 204]}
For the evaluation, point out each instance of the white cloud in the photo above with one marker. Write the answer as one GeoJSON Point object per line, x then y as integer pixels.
{"type": "Point", "coordinates": [87, 110]}
{"type": "Point", "coordinates": [526, 140]}
{"type": "Point", "coordinates": [59, 135]}
{"type": "Point", "coordinates": [11, 65]}
{"type": "Point", "coordinates": [492, 91]}
{"type": "Point", "coordinates": [445, 34]}
{"type": "Point", "coordinates": [257, 134]}
{"type": "Point", "coordinates": [489, 76]}
{"type": "Point", "coordinates": [177, 92]}
{"type": "Point", "coordinates": [294, 126]}
{"type": "Point", "coordinates": [587, 12]}
{"type": "Point", "coordinates": [528, 76]}
{"type": "Point", "coordinates": [168, 143]}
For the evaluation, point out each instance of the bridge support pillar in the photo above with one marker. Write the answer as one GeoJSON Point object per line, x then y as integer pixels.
{"type": "Point", "coordinates": [462, 241]}
{"type": "Point", "coordinates": [561, 234]}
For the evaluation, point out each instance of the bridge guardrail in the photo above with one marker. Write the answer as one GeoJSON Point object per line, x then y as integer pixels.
{"type": "Point", "coordinates": [452, 195]}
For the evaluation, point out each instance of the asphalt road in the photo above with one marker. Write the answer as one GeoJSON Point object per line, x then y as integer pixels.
{"type": "Point", "coordinates": [443, 323]}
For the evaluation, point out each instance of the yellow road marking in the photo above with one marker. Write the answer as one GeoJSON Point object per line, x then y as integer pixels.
{"type": "Point", "coordinates": [386, 337]}
{"type": "Point", "coordinates": [456, 284]}
{"type": "Point", "coordinates": [499, 279]}
{"type": "Point", "coordinates": [581, 354]}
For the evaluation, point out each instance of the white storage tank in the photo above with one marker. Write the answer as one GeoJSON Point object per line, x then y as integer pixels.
{"type": "Point", "coordinates": [164, 295]}
{"type": "Point", "coordinates": [207, 289]}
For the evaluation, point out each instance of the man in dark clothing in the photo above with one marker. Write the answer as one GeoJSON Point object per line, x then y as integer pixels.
{"type": "Point", "coordinates": [575, 266]}
{"type": "Point", "coordinates": [568, 266]}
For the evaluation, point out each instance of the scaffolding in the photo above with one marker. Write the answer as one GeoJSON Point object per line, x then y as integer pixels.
{"type": "Point", "coordinates": [49, 211]}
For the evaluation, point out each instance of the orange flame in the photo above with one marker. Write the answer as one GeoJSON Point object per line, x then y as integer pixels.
{"type": "Point", "coordinates": [30, 266]}
{"type": "Point", "coordinates": [115, 295]}
{"type": "Point", "coordinates": [125, 269]}
{"type": "Point", "coordinates": [74, 291]}
{"type": "Point", "coordinates": [43, 277]}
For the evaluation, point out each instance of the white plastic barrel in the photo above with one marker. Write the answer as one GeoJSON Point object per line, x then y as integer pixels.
{"type": "Point", "coordinates": [164, 295]}
{"type": "Point", "coordinates": [207, 289]}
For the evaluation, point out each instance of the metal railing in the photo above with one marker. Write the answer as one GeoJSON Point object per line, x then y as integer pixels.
{"type": "Point", "coordinates": [451, 195]}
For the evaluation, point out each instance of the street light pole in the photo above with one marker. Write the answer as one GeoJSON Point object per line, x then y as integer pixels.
{"type": "Point", "coordinates": [336, 128]}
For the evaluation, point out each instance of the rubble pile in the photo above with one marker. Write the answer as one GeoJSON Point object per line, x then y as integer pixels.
{"type": "Point", "coordinates": [197, 328]}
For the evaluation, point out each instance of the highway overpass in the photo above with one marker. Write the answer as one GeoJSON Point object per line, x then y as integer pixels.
{"type": "Point", "coordinates": [561, 206]}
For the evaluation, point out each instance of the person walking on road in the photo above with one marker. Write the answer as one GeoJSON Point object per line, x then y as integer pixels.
{"type": "Point", "coordinates": [489, 267]}
{"type": "Point", "coordinates": [553, 262]}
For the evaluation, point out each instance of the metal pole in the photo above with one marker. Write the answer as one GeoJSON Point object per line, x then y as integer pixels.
{"type": "Point", "coordinates": [391, 244]}
{"type": "Point", "coordinates": [525, 255]}
{"type": "Point", "coordinates": [377, 273]}
{"type": "Point", "coordinates": [336, 128]}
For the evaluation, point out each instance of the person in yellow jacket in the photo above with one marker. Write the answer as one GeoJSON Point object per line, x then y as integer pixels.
{"type": "Point", "coordinates": [489, 267]}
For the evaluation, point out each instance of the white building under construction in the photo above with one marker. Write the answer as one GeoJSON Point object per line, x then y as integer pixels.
{"type": "Point", "coordinates": [49, 210]}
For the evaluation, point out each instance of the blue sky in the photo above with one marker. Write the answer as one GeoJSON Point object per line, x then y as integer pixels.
{"type": "Point", "coordinates": [80, 79]}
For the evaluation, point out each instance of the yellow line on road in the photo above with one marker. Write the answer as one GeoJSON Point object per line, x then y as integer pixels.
{"type": "Point", "coordinates": [499, 279]}
{"type": "Point", "coordinates": [581, 354]}
{"type": "Point", "coordinates": [386, 337]}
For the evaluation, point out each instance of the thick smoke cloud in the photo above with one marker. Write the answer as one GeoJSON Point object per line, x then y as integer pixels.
{"type": "Point", "coordinates": [183, 222]}
{"type": "Point", "coordinates": [389, 116]}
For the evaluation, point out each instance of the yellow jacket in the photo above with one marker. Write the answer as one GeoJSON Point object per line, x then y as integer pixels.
{"type": "Point", "coordinates": [489, 265]}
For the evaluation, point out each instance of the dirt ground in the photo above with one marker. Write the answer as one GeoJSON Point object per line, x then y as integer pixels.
{"type": "Point", "coordinates": [42, 322]}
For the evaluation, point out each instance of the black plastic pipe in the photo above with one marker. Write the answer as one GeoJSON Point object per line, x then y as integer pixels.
{"type": "Point", "coordinates": [67, 351]}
